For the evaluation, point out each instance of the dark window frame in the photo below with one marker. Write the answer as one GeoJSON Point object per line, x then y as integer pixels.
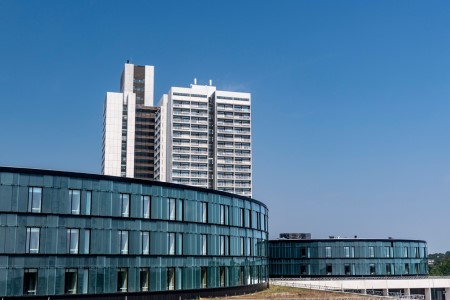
{"type": "Point", "coordinates": [73, 271]}
{"type": "Point", "coordinates": [26, 273]}
{"type": "Point", "coordinates": [120, 289]}
{"type": "Point", "coordinates": [147, 287]}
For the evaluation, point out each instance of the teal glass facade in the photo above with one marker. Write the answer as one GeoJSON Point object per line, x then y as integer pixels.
{"type": "Point", "coordinates": [71, 233]}
{"type": "Point", "coordinates": [347, 258]}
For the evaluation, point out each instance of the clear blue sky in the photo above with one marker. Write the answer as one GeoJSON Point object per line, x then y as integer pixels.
{"type": "Point", "coordinates": [351, 110]}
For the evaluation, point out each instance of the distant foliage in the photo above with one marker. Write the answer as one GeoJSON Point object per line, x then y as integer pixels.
{"type": "Point", "coordinates": [441, 265]}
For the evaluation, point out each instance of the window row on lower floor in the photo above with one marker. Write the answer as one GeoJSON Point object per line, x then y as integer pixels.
{"type": "Point", "coordinates": [111, 280]}
{"type": "Point", "coordinates": [349, 269]}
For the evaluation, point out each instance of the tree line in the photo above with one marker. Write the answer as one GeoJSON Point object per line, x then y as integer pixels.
{"type": "Point", "coordinates": [441, 265]}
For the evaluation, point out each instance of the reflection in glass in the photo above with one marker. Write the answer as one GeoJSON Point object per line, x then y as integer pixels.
{"type": "Point", "coordinates": [34, 199]}
{"type": "Point", "coordinates": [123, 241]}
{"type": "Point", "coordinates": [125, 205]}
{"type": "Point", "coordinates": [75, 196]}
{"type": "Point", "coordinates": [32, 242]}
{"type": "Point", "coordinates": [72, 241]}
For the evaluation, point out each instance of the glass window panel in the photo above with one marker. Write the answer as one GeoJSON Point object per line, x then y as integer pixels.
{"type": "Point", "coordinates": [204, 244]}
{"type": "Point", "coordinates": [143, 279]}
{"type": "Point", "coordinates": [122, 280]}
{"type": "Point", "coordinates": [347, 269]}
{"type": "Point", "coordinates": [263, 221]}
{"type": "Point", "coordinates": [87, 241]}
{"type": "Point", "coordinates": [88, 202]}
{"type": "Point", "coordinates": [247, 218]}
{"type": "Point", "coordinates": [260, 222]}
{"type": "Point", "coordinates": [227, 214]}
{"type": "Point", "coordinates": [179, 210]}
{"type": "Point", "coordinates": [34, 199]}
{"type": "Point", "coordinates": [204, 212]}
{"type": "Point", "coordinates": [241, 275]}
{"type": "Point", "coordinates": [371, 252]}
{"type": "Point", "coordinates": [30, 281]}
{"type": "Point", "coordinates": [327, 251]}
{"type": "Point", "coordinates": [85, 282]}
{"type": "Point", "coordinates": [388, 269]}
{"type": "Point", "coordinates": [304, 252]}
{"type": "Point", "coordinates": [32, 242]}
{"type": "Point", "coordinates": [145, 242]}
{"type": "Point", "coordinates": [204, 276]}
{"type": "Point", "coordinates": [304, 269]}
{"type": "Point", "coordinates": [146, 207]}
{"type": "Point", "coordinates": [222, 244]}
{"type": "Point", "coordinates": [170, 278]}
{"type": "Point", "coordinates": [222, 214]}
{"type": "Point", "coordinates": [172, 209]}
{"type": "Point", "coordinates": [70, 281]}
{"type": "Point", "coordinates": [125, 205]}
{"type": "Point", "coordinates": [347, 252]}
{"type": "Point", "coordinates": [329, 269]}
{"type": "Point", "coordinates": [75, 196]}
{"type": "Point", "coordinates": [72, 241]}
{"type": "Point", "coordinates": [171, 245]}
{"type": "Point", "coordinates": [30, 202]}
{"type": "Point", "coordinates": [179, 244]}
{"type": "Point", "coordinates": [222, 276]}
{"type": "Point", "coordinates": [123, 240]}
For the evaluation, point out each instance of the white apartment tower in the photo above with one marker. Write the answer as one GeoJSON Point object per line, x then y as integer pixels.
{"type": "Point", "coordinates": [128, 125]}
{"type": "Point", "coordinates": [203, 138]}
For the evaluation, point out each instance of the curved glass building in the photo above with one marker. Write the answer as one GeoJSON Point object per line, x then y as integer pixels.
{"type": "Point", "coordinates": [343, 257]}
{"type": "Point", "coordinates": [72, 233]}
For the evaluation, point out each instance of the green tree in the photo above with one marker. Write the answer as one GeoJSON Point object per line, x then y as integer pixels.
{"type": "Point", "coordinates": [441, 265]}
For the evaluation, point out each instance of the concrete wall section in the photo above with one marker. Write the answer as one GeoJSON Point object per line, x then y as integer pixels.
{"type": "Point", "coordinates": [149, 85]}
{"type": "Point", "coordinates": [112, 133]}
